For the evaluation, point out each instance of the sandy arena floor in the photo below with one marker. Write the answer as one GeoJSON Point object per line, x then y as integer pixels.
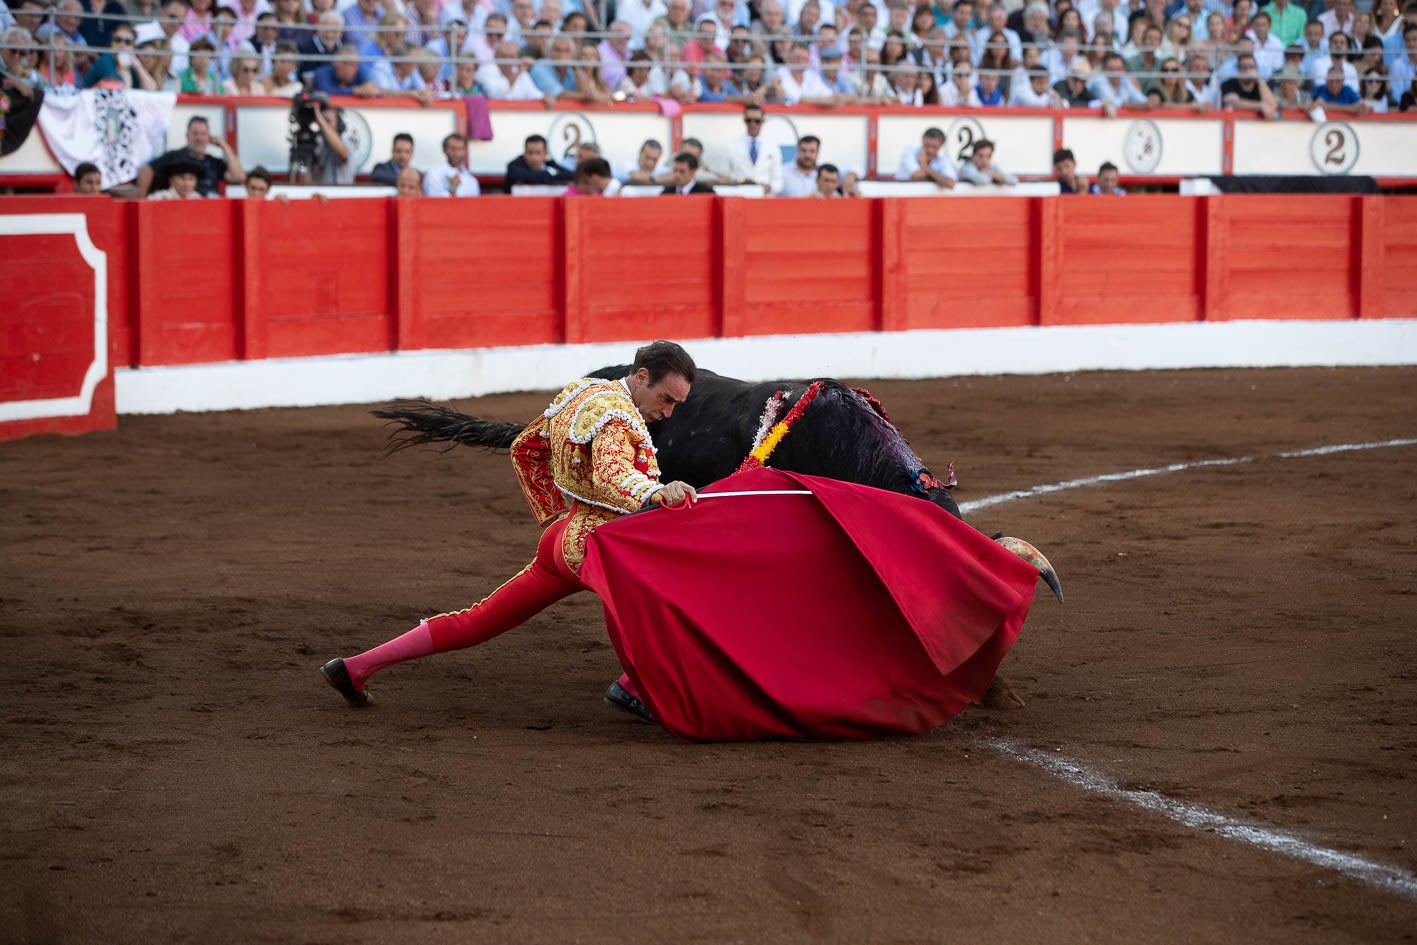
{"type": "Point", "coordinates": [1238, 637]}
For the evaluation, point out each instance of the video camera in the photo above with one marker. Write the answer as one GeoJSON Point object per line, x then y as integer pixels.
{"type": "Point", "coordinates": [304, 134]}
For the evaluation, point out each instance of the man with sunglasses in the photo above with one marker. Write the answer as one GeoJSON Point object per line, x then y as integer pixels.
{"type": "Point", "coordinates": [750, 159]}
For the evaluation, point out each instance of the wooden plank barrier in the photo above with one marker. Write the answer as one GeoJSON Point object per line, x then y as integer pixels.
{"type": "Point", "coordinates": [184, 303]}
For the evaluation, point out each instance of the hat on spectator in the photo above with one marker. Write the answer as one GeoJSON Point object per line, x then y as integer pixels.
{"type": "Point", "coordinates": [1294, 49]}
{"type": "Point", "coordinates": [830, 54]}
{"type": "Point", "coordinates": [1288, 73]}
{"type": "Point", "coordinates": [184, 165]}
{"type": "Point", "coordinates": [1079, 68]}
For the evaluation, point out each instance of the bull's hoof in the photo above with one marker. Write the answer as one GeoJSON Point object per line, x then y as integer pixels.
{"type": "Point", "coordinates": [1034, 557]}
{"type": "Point", "coordinates": [1000, 695]}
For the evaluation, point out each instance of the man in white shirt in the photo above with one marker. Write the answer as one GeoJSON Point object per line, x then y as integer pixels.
{"type": "Point", "coordinates": [640, 16]}
{"type": "Point", "coordinates": [1269, 51]}
{"type": "Point", "coordinates": [452, 179]}
{"type": "Point", "coordinates": [926, 162]}
{"type": "Point", "coordinates": [997, 22]}
{"type": "Point", "coordinates": [800, 84]}
{"type": "Point", "coordinates": [750, 159]}
{"type": "Point", "coordinates": [510, 78]}
{"type": "Point", "coordinates": [800, 178]}
{"type": "Point", "coordinates": [1338, 18]}
{"type": "Point", "coordinates": [1115, 87]}
{"type": "Point", "coordinates": [1117, 12]}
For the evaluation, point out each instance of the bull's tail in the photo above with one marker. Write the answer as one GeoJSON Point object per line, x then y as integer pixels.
{"type": "Point", "coordinates": [419, 423]}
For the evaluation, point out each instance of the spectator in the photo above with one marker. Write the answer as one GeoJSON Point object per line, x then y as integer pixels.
{"type": "Point", "coordinates": [960, 92]}
{"type": "Point", "coordinates": [345, 76]}
{"type": "Point", "coordinates": [154, 57]}
{"type": "Point", "coordinates": [1246, 92]}
{"type": "Point", "coordinates": [182, 176]}
{"type": "Point", "coordinates": [1402, 69]}
{"type": "Point", "coordinates": [168, 28]}
{"type": "Point", "coordinates": [1335, 96]}
{"type": "Point", "coordinates": [223, 21]}
{"type": "Point", "coordinates": [715, 84]}
{"type": "Point", "coordinates": [1269, 49]}
{"type": "Point", "coordinates": [685, 172]}
{"type": "Point", "coordinates": [1118, 90]}
{"type": "Point", "coordinates": [1375, 91]}
{"type": "Point", "coordinates": [750, 159]}
{"type": "Point", "coordinates": [464, 81]}
{"type": "Point", "coordinates": [1065, 171]}
{"type": "Point", "coordinates": [1030, 90]}
{"type": "Point", "coordinates": [398, 75]}
{"type": "Point", "coordinates": [639, 15]}
{"type": "Point", "coordinates": [828, 182]}
{"type": "Point", "coordinates": [265, 38]}
{"type": "Point", "coordinates": [410, 182]}
{"type": "Point", "coordinates": [337, 142]}
{"type": "Point", "coordinates": [995, 27]}
{"type": "Point", "coordinates": [326, 40]}
{"type": "Point", "coordinates": [799, 179]}
{"type": "Point", "coordinates": [1035, 25]}
{"type": "Point", "coordinates": [197, 20]}
{"type": "Point", "coordinates": [1178, 37]}
{"type": "Point", "coordinates": [1200, 83]}
{"type": "Point", "coordinates": [584, 152]}
{"type": "Point", "coordinates": [961, 17]}
{"type": "Point", "coordinates": [361, 22]}
{"type": "Point", "coordinates": [509, 78]}
{"type": "Point", "coordinates": [1148, 56]}
{"type": "Point", "coordinates": [758, 87]}
{"type": "Point", "coordinates": [283, 80]}
{"type": "Point", "coordinates": [68, 17]}
{"type": "Point", "coordinates": [591, 178]}
{"type": "Point", "coordinates": [800, 84]}
{"type": "Point", "coordinates": [1170, 89]}
{"type": "Point", "coordinates": [925, 162]}
{"type": "Point", "coordinates": [1314, 44]}
{"type": "Point", "coordinates": [258, 183]}
{"type": "Point", "coordinates": [87, 180]}
{"type": "Point", "coordinates": [482, 45]}
{"type": "Point", "coordinates": [645, 168]}
{"type": "Point", "coordinates": [532, 166]}
{"type": "Point", "coordinates": [704, 175]}
{"type": "Point", "coordinates": [121, 70]}
{"type": "Point", "coordinates": [833, 76]}
{"type": "Point", "coordinates": [997, 59]}
{"type": "Point", "coordinates": [200, 76]}
{"type": "Point", "coordinates": [245, 68]}
{"type": "Point", "coordinates": [1338, 53]}
{"type": "Point", "coordinates": [1287, 90]}
{"type": "Point", "coordinates": [643, 81]}
{"type": "Point", "coordinates": [614, 50]}
{"type": "Point", "coordinates": [1287, 20]}
{"type": "Point", "coordinates": [452, 178]}
{"type": "Point", "coordinates": [1338, 18]}
{"type": "Point", "coordinates": [56, 69]}
{"type": "Point", "coordinates": [1408, 101]}
{"type": "Point", "coordinates": [980, 167]}
{"type": "Point", "coordinates": [401, 157]}
{"type": "Point", "coordinates": [537, 42]}
{"type": "Point", "coordinates": [1107, 181]}
{"type": "Point", "coordinates": [589, 78]}
{"type": "Point", "coordinates": [1073, 90]}
{"type": "Point", "coordinates": [556, 77]}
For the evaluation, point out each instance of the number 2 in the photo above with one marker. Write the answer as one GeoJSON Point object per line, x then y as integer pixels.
{"type": "Point", "coordinates": [1336, 141]}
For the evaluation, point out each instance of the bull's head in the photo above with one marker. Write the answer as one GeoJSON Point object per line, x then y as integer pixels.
{"type": "Point", "coordinates": [1034, 557]}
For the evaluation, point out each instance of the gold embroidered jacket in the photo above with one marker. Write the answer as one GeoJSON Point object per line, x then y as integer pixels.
{"type": "Point", "coordinates": [589, 449]}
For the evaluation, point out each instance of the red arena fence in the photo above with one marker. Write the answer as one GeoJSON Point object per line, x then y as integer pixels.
{"type": "Point", "coordinates": [223, 280]}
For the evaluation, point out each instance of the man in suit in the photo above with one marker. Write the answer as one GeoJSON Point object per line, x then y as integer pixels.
{"type": "Point", "coordinates": [388, 172]}
{"type": "Point", "coordinates": [752, 160]}
{"type": "Point", "coordinates": [686, 166]}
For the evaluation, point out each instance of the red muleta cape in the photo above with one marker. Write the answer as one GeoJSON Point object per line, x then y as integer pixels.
{"type": "Point", "coordinates": [848, 613]}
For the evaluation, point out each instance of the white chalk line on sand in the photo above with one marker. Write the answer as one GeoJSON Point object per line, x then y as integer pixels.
{"type": "Point", "coordinates": [987, 501]}
{"type": "Point", "coordinates": [1387, 878]}
{"type": "Point", "coordinates": [1378, 875]}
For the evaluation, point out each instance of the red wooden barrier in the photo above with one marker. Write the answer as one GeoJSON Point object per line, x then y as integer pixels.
{"type": "Point", "coordinates": [1292, 257]}
{"type": "Point", "coordinates": [56, 366]}
{"type": "Point", "coordinates": [184, 300]}
{"type": "Point", "coordinates": [958, 263]}
{"type": "Point", "coordinates": [478, 273]}
{"type": "Point", "coordinates": [1129, 260]}
{"type": "Point", "coordinates": [799, 266]}
{"type": "Point", "coordinates": [641, 268]}
{"type": "Point", "coordinates": [1388, 257]}
{"type": "Point", "coordinates": [316, 277]}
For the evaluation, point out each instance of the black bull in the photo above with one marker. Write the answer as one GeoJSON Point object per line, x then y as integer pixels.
{"type": "Point", "coordinates": [840, 435]}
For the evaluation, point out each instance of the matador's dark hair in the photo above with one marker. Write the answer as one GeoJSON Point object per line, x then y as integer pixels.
{"type": "Point", "coordinates": [665, 357]}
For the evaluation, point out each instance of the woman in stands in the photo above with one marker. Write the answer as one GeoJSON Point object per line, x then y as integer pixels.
{"type": "Point", "coordinates": [156, 59]}
{"type": "Point", "coordinates": [1374, 92]}
{"type": "Point", "coordinates": [1238, 23]}
{"type": "Point", "coordinates": [755, 82]}
{"type": "Point", "coordinates": [590, 82]}
{"type": "Point", "coordinates": [929, 91]}
{"type": "Point", "coordinates": [658, 47]}
{"type": "Point", "coordinates": [1070, 19]}
{"type": "Point", "coordinates": [1215, 41]}
{"type": "Point", "coordinates": [56, 69]}
{"type": "Point", "coordinates": [1170, 89]}
{"type": "Point", "coordinates": [780, 44]}
{"type": "Point", "coordinates": [1408, 102]}
{"type": "Point", "coordinates": [1371, 56]}
{"type": "Point", "coordinates": [894, 50]}
{"type": "Point", "coordinates": [1177, 38]}
{"type": "Point", "coordinates": [922, 21]}
{"type": "Point", "coordinates": [198, 20]}
{"type": "Point", "coordinates": [283, 80]}
{"type": "Point", "coordinates": [997, 59]}
{"type": "Point", "coordinates": [1387, 19]}
{"type": "Point", "coordinates": [290, 16]}
{"type": "Point", "coordinates": [245, 68]}
{"type": "Point", "coordinates": [960, 92]}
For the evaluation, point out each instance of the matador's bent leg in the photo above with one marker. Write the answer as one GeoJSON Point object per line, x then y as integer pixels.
{"type": "Point", "coordinates": [536, 587]}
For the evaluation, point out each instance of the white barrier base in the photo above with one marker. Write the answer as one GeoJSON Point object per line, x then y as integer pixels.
{"type": "Point", "coordinates": [444, 375]}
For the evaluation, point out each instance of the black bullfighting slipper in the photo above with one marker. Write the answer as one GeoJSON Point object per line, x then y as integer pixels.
{"type": "Point", "coordinates": [618, 696]}
{"type": "Point", "coordinates": [337, 676]}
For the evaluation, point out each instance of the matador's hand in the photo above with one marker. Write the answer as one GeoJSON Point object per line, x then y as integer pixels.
{"type": "Point", "coordinates": [675, 493]}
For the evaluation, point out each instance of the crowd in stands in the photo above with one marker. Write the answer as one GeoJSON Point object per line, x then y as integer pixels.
{"type": "Point", "coordinates": [1109, 54]}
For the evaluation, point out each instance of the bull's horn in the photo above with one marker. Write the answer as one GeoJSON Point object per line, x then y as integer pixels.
{"type": "Point", "coordinates": [1034, 557]}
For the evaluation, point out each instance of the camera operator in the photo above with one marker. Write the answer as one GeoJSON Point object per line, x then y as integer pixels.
{"type": "Point", "coordinates": [332, 157]}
